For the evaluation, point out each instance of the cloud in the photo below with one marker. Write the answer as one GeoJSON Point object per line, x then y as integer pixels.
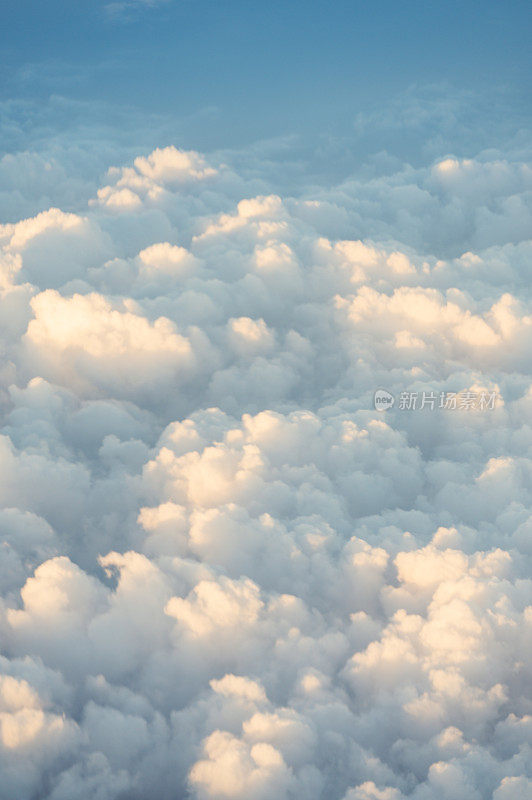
{"type": "Point", "coordinates": [128, 10]}
{"type": "Point", "coordinates": [103, 346]}
{"type": "Point", "coordinates": [223, 572]}
{"type": "Point", "coordinates": [149, 176]}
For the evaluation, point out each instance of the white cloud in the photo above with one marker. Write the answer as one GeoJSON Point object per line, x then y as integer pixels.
{"type": "Point", "coordinates": [222, 571]}
{"type": "Point", "coordinates": [104, 349]}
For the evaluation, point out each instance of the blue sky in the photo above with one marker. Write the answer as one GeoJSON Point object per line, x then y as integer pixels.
{"type": "Point", "coordinates": [244, 71]}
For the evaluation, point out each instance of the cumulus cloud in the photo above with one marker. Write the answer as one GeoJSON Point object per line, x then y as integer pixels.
{"type": "Point", "coordinates": [149, 176]}
{"type": "Point", "coordinates": [223, 572]}
{"type": "Point", "coordinates": [83, 335]}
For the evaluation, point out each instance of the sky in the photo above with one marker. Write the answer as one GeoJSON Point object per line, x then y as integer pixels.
{"type": "Point", "coordinates": [243, 71]}
{"type": "Point", "coordinates": [265, 401]}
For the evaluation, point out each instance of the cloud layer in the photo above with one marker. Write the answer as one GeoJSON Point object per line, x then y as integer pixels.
{"type": "Point", "coordinates": [224, 575]}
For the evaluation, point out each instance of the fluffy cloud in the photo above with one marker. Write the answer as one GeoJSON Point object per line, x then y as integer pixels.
{"type": "Point", "coordinates": [110, 350]}
{"type": "Point", "coordinates": [149, 177]}
{"type": "Point", "coordinates": [224, 573]}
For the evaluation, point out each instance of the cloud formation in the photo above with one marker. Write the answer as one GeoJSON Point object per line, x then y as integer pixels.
{"type": "Point", "coordinates": [224, 574]}
{"type": "Point", "coordinates": [127, 10]}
